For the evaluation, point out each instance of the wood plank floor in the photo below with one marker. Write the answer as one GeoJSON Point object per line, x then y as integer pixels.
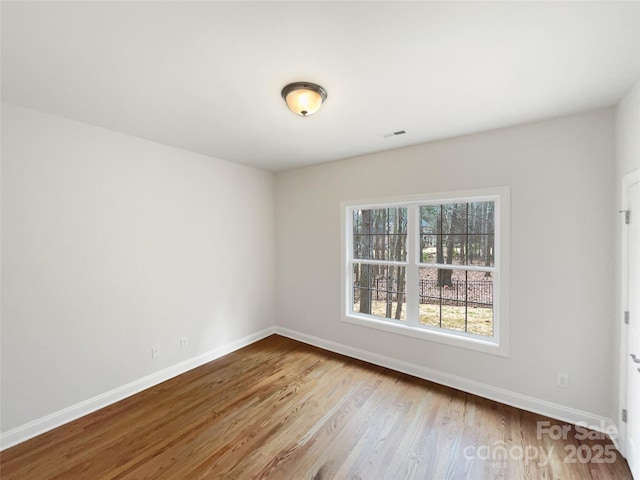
{"type": "Point", "coordinates": [284, 410]}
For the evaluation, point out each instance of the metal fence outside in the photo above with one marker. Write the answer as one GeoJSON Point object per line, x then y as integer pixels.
{"type": "Point", "coordinates": [459, 293]}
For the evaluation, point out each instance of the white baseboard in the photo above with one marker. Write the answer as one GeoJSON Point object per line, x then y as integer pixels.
{"type": "Point", "coordinates": [524, 402]}
{"type": "Point", "coordinates": [542, 407]}
{"type": "Point", "coordinates": [56, 419]}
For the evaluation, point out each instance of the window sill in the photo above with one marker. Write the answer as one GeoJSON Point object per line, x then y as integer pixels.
{"type": "Point", "coordinates": [461, 340]}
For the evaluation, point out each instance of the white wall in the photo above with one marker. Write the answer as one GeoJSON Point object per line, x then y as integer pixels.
{"type": "Point", "coordinates": [111, 245]}
{"type": "Point", "coordinates": [562, 197]}
{"type": "Point", "coordinates": [627, 128]}
{"type": "Point", "coordinates": [627, 121]}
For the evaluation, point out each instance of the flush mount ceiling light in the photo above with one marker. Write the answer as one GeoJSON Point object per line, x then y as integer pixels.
{"type": "Point", "coordinates": [304, 98]}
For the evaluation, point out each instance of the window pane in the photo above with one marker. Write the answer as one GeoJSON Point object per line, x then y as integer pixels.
{"type": "Point", "coordinates": [480, 250]}
{"type": "Point", "coordinates": [454, 218]}
{"type": "Point", "coordinates": [480, 303]}
{"type": "Point", "coordinates": [456, 300]}
{"type": "Point", "coordinates": [380, 234]}
{"type": "Point", "coordinates": [429, 298]}
{"type": "Point", "coordinates": [361, 246]}
{"type": "Point", "coordinates": [453, 298]}
{"type": "Point", "coordinates": [429, 248]}
{"type": "Point", "coordinates": [429, 218]}
{"type": "Point", "coordinates": [481, 233]}
{"type": "Point", "coordinates": [379, 290]}
{"type": "Point", "coordinates": [481, 217]}
{"type": "Point", "coordinates": [454, 250]}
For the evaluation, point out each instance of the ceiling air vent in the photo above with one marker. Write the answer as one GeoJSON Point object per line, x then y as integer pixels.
{"type": "Point", "coordinates": [394, 134]}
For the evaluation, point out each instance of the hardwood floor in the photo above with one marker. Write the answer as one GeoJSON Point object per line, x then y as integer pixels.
{"type": "Point", "coordinates": [285, 410]}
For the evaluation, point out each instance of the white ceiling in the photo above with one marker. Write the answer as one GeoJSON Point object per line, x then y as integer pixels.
{"type": "Point", "coordinates": [207, 76]}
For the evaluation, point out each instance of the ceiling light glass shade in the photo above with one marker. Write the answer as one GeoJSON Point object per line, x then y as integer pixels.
{"type": "Point", "coordinates": [304, 98]}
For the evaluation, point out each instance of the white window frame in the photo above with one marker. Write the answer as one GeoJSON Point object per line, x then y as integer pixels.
{"type": "Point", "coordinates": [498, 344]}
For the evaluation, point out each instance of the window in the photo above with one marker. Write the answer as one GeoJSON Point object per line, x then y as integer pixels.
{"type": "Point", "coordinates": [431, 266]}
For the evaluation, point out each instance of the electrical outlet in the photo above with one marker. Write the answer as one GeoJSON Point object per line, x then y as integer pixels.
{"type": "Point", "coordinates": [562, 380]}
{"type": "Point", "coordinates": [155, 352]}
{"type": "Point", "coordinates": [184, 342]}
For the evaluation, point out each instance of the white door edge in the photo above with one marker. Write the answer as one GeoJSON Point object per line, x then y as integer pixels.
{"type": "Point", "coordinates": [628, 180]}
